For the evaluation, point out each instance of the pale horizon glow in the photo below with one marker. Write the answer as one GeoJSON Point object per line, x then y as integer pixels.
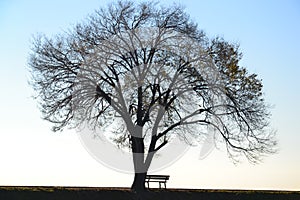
{"type": "Point", "coordinates": [268, 34]}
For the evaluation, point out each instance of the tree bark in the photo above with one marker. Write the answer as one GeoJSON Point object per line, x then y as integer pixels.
{"type": "Point", "coordinates": [138, 184]}
{"type": "Point", "coordinates": [141, 168]}
{"type": "Point", "coordinates": [138, 148]}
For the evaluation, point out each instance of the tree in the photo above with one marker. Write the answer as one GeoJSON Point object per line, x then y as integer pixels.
{"type": "Point", "coordinates": [152, 67]}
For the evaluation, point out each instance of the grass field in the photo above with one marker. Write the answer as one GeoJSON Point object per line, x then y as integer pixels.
{"type": "Point", "coordinates": [86, 193]}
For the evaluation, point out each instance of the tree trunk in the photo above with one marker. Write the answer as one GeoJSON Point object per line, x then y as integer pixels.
{"type": "Point", "coordinates": [138, 184]}
{"type": "Point", "coordinates": [140, 169]}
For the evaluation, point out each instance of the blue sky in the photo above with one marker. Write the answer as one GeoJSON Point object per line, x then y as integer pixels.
{"type": "Point", "coordinates": [268, 34]}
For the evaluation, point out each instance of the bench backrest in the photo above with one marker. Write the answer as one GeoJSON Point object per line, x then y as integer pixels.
{"type": "Point", "coordinates": [158, 177]}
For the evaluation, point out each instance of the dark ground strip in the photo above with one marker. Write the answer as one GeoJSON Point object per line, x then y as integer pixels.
{"type": "Point", "coordinates": [93, 193]}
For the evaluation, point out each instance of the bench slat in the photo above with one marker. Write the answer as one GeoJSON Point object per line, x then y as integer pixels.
{"type": "Point", "coordinates": [157, 177]}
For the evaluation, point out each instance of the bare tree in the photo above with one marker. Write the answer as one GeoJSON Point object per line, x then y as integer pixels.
{"type": "Point", "coordinates": [159, 73]}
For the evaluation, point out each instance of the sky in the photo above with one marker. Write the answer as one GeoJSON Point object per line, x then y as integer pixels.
{"type": "Point", "coordinates": [30, 154]}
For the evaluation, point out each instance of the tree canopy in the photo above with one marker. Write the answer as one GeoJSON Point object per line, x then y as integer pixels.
{"type": "Point", "coordinates": [154, 71]}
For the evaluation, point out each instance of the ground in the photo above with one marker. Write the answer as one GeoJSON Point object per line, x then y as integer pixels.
{"type": "Point", "coordinates": [85, 193]}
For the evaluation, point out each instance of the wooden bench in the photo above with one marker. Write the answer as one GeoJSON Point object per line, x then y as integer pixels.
{"type": "Point", "coordinates": [157, 178]}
